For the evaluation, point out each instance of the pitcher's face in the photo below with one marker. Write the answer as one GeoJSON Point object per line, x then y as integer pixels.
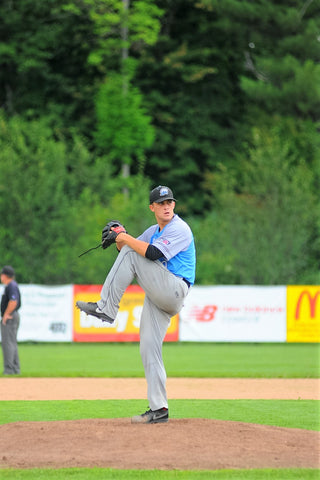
{"type": "Point", "coordinates": [163, 211]}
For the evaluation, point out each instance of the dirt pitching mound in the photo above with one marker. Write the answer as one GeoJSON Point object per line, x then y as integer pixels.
{"type": "Point", "coordinates": [189, 444]}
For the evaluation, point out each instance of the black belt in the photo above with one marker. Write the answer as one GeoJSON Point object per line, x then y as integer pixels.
{"type": "Point", "coordinates": [186, 281]}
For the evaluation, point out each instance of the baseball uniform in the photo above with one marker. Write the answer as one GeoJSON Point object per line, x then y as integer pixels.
{"type": "Point", "coordinates": [10, 329]}
{"type": "Point", "coordinates": [163, 261]}
{"type": "Point", "coordinates": [166, 283]}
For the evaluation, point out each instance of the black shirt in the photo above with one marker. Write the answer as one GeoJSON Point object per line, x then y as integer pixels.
{"type": "Point", "coordinates": [11, 292]}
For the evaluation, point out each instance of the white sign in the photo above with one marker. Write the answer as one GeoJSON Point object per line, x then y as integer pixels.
{"type": "Point", "coordinates": [210, 314]}
{"type": "Point", "coordinates": [234, 314]}
{"type": "Point", "coordinates": [46, 313]}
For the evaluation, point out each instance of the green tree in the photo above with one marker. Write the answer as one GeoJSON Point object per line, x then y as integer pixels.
{"type": "Point", "coordinates": [43, 63]}
{"type": "Point", "coordinates": [281, 51]}
{"type": "Point", "coordinates": [122, 27]}
{"type": "Point", "coordinates": [191, 80]}
{"type": "Point", "coordinates": [51, 206]}
{"type": "Point", "coordinates": [42, 183]}
{"type": "Point", "coordinates": [265, 231]}
{"type": "Point", "coordinates": [124, 129]}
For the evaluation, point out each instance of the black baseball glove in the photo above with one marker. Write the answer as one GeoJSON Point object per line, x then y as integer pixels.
{"type": "Point", "coordinates": [110, 233]}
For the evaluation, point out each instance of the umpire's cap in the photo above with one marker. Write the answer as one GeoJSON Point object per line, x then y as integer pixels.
{"type": "Point", "coordinates": [160, 194]}
{"type": "Point", "coordinates": [8, 270]}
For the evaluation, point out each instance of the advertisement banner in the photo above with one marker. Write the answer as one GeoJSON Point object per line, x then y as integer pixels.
{"type": "Point", "coordinates": [45, 313]}
{"type": "Point", "coordinates": [87, 328]}
{"type": "Point", "coordinates": [303, 313]}
{"type": "Point", "coordinates": [210, 314]}
{"type": "Point", "coordinates": [234, 314]}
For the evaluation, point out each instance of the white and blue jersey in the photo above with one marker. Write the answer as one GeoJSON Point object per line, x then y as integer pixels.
{"type": "Point", "coordinates": [176, 242]}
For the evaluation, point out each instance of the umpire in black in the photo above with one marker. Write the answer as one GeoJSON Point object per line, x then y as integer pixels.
{"type": "Point", "coordinates": [10, 319]}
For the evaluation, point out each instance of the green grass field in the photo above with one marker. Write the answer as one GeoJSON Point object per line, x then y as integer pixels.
{"type": "Point", "coordinates": [181, 360]}
{"type": "Point", "coordinates": [185, 359]}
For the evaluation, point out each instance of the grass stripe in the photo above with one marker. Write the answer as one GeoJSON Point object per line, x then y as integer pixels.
{"type": "Point", "coordinates": [111, 474]}
{"type": "Point", "coordinates": [284, 413]}
{"type": "Point", "coordinates": [181, 360]}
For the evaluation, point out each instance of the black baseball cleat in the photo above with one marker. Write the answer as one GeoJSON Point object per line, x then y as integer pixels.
{"type": "Point", "coordinates": [152, 416]}
{"type": "Point", "coordinates": [91, 308]}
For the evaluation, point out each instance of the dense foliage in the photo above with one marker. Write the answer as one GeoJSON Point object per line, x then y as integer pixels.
{"type": "Point", "coordinates": [100, 100]}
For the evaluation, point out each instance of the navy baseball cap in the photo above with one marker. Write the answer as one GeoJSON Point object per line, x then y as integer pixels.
{"type": "Point", "coordinates": [160, 194]}
{"type": "Point", "coordinates": [7, 270]}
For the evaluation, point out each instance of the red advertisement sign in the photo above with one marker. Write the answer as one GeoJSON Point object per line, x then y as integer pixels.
{"type": "Point", "coordinates": [87, 328]}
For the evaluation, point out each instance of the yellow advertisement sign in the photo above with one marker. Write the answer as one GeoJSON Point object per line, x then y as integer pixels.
{"type": "Point", "coordinates": [303, 313]}
{"type": "Point", "coordinates": [87, 328]}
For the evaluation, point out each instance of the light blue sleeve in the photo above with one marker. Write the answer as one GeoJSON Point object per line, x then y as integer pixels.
{"type": "Point", "coordinates": [147, 234]}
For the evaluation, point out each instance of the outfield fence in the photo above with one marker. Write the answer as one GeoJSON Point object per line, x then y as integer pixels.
{"type": "Point", "coordinates": [210, 314]}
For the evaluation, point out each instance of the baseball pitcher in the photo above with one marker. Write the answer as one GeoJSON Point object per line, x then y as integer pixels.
{"type": "Point", "coordinates": [163, 260]}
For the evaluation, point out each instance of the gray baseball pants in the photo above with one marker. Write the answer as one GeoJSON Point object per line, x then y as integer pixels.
{"type": "Point", "coordinates": [11, 363]}
{"type": "Point", "coordinates": [164, 297]}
